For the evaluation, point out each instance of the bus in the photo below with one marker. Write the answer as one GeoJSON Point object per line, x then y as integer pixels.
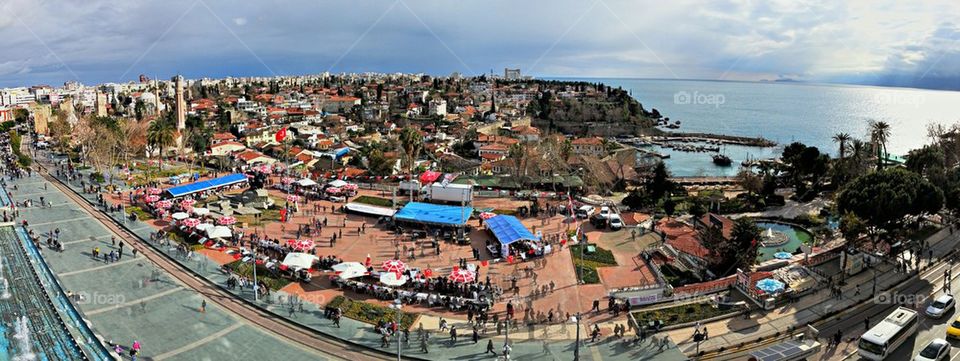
{"type": "Point", "coordinates": [884, 338]}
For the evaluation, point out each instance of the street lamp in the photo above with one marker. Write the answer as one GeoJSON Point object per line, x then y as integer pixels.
{"type": "Point", "coordinates": [576, 348]}
{"type": "Point", "coordinates": [397, 305]}
{"type": "Point", "coordinates": [256, 286]}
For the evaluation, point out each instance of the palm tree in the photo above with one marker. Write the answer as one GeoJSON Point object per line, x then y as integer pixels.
{"type": "Point", "coordinates": [160, 135]}
{"type": "Point", "coordinates": [412, 143]}
{"type": "Point", "coordinates": [842, 138]}
{"type": "Point", "coordinates": [879, 135]}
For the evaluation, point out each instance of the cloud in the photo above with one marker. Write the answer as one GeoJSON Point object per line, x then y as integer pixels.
{"type": "Point", "coordinates": [854, 41]}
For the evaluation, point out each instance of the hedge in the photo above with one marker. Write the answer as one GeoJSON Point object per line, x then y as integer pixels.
{"type": "Point", "coordinates": [681, 314]}
{"type": "Point", "coordinates": [264, 275]}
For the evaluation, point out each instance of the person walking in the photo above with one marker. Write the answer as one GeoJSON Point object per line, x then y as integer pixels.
{"type": "Point", "coordinates": [490, 348]}
{"type": "Point", "coordinates": [476, 335]}
{"type": "Point", "coordinates": [453, 334]}
{"type": "Point", "coordinates": [203, 306]}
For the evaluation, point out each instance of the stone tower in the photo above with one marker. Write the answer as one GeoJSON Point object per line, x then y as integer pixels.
{"type": "Point", "coordinates": [181, 109]}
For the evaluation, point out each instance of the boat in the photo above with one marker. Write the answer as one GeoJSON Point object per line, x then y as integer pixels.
{"type": "Point", "coordinates": [722, 160]}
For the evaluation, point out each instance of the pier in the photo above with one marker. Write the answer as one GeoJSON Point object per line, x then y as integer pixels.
{"type": "Point", "coordinates": [704, 181]}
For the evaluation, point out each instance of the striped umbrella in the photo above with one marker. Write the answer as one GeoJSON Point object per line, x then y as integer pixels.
{"type": "Point", "coordinates": [394, 265]}
{"type": "Point", "coordinates": [462, 275]}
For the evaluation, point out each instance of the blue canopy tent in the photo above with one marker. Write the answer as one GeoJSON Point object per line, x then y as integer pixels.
{"type": "Point", "coordinates": [434, 214]}
{"type": "Point", "coordinates": [187, 189]}
{"type": "Point", "coordinates": [508, 229]}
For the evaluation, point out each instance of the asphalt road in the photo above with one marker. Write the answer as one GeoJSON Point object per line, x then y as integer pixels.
{"type": "Point", "coordinates": [919, 291]}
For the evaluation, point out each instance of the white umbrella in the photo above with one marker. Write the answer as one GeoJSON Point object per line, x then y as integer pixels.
{"type": "Point", "coordinates": [180, 215]}
{"type": "Point", "coordinates": [306, 182]}
{"type": "Point", "coordinates": [298, 261]}
{"type": "Point", "coordinates": [219, 232]}
{"type": "Point", "coordinates": [391, 279]}
{"type": "Point", "coordinates": [337, 183]}
{"type": "Point", "coordinates": [201, 211]}
{"type": "Point", "coordinates": [203, 226]}
{"type": "Point", "coordinates": [347, 270]}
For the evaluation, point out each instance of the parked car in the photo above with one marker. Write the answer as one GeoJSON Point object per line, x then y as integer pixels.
{"type": "Point", "coordinates": [615, 222]}
{"type": "Point", "coordinates": [585, 212]}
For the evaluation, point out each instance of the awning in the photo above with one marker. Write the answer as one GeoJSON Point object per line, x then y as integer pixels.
{"type": "Point", "coordinates": [435, 214]}
{"type": "Point", "coordinates": [370, 210]}
{"type": "Point", "coordinates": [508, 229]}
{"type": "Point", "coordinates": [191, 188]}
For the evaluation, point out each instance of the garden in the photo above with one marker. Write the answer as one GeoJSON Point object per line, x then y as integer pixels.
{"type": "Point", "coordinates": [675, 315]}
{"type": "Point", "coordinates": [268, 277]}
{"type": "Point", "coordinates": [586, 262]}
{"type": "Point", "coordinates": [371, 313]}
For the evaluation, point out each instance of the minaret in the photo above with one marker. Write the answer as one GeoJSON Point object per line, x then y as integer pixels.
{"type": "Point", "coordinates": [181, 109]}
{"type": "Point", "coordinates": [156, 96]}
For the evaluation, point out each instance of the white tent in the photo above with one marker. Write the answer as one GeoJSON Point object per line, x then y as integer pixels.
{"type": "Point", "coordinates": [306, 182]}
{"type": "Point", "coordinates": [348, 270]}
{"type": "Point", "coordinates": [298, 261]}
{"type": "Point", "coordinates": [180, 216]}
{"type": "Point", "coordinates": [337, 183]}
{"type": "Point", "coordinates": [201, 211]}
{"type": "Point", "coordinates": [219, 232]}
{"type": "Point", "coordinates": [390, 279]}
{"type": "Point", "coordinates": [203, 226]}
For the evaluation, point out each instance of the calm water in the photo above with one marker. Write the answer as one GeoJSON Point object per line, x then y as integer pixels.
{"type": "Point", "coordinates": [786, 112]}
{"type": "Point", "coordinates": [797, 237]}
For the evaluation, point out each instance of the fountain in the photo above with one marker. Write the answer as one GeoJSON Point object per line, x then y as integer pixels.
{"type": "Point", "coordinates": [5, 292]}
{"type": "Point", "coordinates": [22, 335]}
{"type": "Point", "coordinates": [773, 238]}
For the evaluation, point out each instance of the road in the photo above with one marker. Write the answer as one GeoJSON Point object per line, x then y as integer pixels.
{"type": "Point", "coordinates": [327, 346]}
{"type": "Point", "coordinates": [919, 292]}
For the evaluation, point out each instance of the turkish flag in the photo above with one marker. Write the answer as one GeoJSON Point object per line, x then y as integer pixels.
{"type": "Point", "coordinates": [281, 135]}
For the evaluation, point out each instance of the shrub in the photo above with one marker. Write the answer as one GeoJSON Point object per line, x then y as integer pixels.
{"type": "Point", "coordinates": [267, 276]}
{"type": "Point", "coordinates": [374, 201]}
{"type": "Point", "coordinates": [681, 314]}
{"type": "Point", "coordinates": [141, 214]}
{"type": "Point", "coordinates": [371, 313]}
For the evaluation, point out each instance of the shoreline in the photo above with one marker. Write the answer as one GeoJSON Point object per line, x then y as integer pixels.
{"type": "Point", "coordinates": [722, 138]}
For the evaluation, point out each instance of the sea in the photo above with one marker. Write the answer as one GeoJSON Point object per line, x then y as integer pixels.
{"type": "Point", "coordinates": [786, 112]}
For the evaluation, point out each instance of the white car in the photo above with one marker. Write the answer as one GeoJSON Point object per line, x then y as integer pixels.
{"type": "Point", "coordinates": [615, 222]}
{"type": "Point", "coordinates": [605, 212]}
{"type": "Point", "coordinates": [940, 305]}
{"type": "Point", "coordinates": [936, 350]}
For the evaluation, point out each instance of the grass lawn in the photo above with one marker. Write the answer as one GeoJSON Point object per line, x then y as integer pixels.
{"type": "Point", "coordinates": [681, 314]}
{"type": "Point", "coordinates": [142, 215]}
{"type": "Point", "coordinates": [371, 313]}
{"type": "Point", "coordinates": [263, 274]}
{"type": "Point", "coordinates": [589, 262]}
{"type": "Point", "coordinates": [374, 201]}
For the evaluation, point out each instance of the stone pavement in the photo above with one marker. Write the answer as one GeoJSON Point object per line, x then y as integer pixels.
{"type": "Point", "coordinates": [279, 303]}
{"type": "Point", "coordinates": [134, 300]}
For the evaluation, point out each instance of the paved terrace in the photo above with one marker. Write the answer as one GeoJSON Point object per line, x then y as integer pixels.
{"type": "Point", "coordinates": [133, 300]}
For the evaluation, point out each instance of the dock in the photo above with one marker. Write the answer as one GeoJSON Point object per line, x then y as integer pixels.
{"type": "Point", "coordinates": [704, 181]}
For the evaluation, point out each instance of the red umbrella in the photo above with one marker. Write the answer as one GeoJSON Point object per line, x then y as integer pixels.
{"type": "Point", "coordinates": [164, 204]}
{"type": "Point", "coordinates": [151, 198]}
{"type": "Point", "coordinates": [487, 215]}
{"type": "Point", "coordinates": [190, 222]}
{"type": "Point", "coordinates": [154, 190]}
{"type": "Point", "coordinates": [226, 220]}
{"type": "Point", "coordinates": [394, 265]}
{"type": "Point", "coordinates": [462, 276]}
{"type": "Point", "coordinates": [187, 203]}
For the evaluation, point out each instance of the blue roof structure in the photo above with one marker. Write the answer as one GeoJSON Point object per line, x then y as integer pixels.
{"type": "Point", "coordinates": [180, 191]}
{"type": "Point", "coordinates": [435, 214]}
{"type": "Point", "coordinates": [508, 229]}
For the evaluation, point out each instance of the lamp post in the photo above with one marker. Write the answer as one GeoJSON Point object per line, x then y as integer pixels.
{"type": "Point", "coordinates": [397, 305]}
{"type": "Point", "coordinates": [576, 347]}
{"type": "Point", "coordinates": [256, 286]}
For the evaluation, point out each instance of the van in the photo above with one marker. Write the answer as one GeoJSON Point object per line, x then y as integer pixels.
{"type": "Point", "coordinates": [584, 212]}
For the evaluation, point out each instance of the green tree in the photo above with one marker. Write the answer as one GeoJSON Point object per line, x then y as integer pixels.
{"type": "Point", "coordinates": [842, 139]}
{"type": "Point", "coordinates": [660, 184]}
{"type": "Point", "coordinates": [412, 143]}
{"type": "Point", "coordinates": [851, 227]}
{"type": "Point", "coordinates": [882, 199]}
{"type": "Point", "coordinates": [160, 135]}
{"type": "Point", "coordinates": [727, 255]}
{"type": "Point", "coordinates": [879, 136]}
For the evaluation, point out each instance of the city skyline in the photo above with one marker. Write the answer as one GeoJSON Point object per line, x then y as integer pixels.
{"type": "Point", "coordinates": [869, 43]}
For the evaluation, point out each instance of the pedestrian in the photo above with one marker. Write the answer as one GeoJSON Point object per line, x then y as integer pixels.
{"type": "Point", "coordinates": [443, 324]}
{"type": "Point", "coordinates": [476, 336]}
{"type": "Point", "coordinates": [596, 306]}
{"type": "Point", "coordinates": [866, 323]}
{"type": "Point", "coordinates": [203, 306]}
{"type": "Point", "coordinates": [423, 345]}
{"type": "Point", "coordinates": [490, 348]}
{"type": "Point", "coordinates": [453, 334]}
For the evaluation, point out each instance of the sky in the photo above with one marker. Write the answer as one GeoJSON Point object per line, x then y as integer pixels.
{"type": "Point", "coordinates": [893, 43]}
